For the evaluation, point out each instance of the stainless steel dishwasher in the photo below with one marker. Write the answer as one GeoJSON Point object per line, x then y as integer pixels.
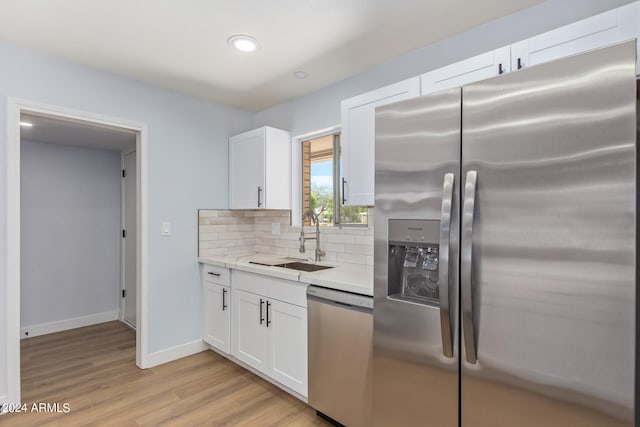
{"type": "Point", "coordinates": [340, 326]}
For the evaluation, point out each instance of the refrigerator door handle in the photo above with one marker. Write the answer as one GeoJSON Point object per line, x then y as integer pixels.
{"type": "Point", "coordinates": [466, 246]}
{"type": "Point", "coordinates": [443, 279]}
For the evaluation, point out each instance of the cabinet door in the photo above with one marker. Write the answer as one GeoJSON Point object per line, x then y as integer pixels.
{"type": "Point", "coordinates": [217, 305]}
{"type": "Point", "coordinates": [470, 70]}
{"type": "Point", "coordinates": [591, 33]}
{"type": "Point", "coordinates": [247, 170]}
{"type": "Point", "coordinates": [358, 138]}
{"type": "Point", "coordinates": [288, 326]}
{"type": "Point", "coordinates": [251, 337]}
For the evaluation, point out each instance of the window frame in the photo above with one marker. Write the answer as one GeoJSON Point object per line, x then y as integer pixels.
{"type": "Point", "coordinates": [297, 156]}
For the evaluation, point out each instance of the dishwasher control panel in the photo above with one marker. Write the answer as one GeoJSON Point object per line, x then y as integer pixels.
{"type": "Point", "coordinates": [340, 297]}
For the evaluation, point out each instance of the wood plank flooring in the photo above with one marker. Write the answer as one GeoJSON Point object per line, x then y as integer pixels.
{"type": "Point", "coordinates": [93, 370]}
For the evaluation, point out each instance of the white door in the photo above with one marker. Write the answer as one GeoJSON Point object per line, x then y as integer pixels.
{"type": "Point", "coordinates": [288, 326]}
{"type": "Point", "coordinates": [216, 316]}
{"type": "Point", "coordinates": [251, 335]}
{"type": "Point", "coordinates": [358, 138]}
{"type": "Point", "coordinates": [247, 170]}
{"type": "Point", "coordinates": [130, 227]}
{"type": "Point", "coordinates": [470, 70]}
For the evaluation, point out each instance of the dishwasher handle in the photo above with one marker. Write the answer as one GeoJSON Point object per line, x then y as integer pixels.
{"type": "Point", "coordinates": [347, 300]}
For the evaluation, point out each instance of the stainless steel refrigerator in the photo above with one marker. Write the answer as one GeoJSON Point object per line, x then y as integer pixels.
{"type": "Point", "coordinates": [505, 250]}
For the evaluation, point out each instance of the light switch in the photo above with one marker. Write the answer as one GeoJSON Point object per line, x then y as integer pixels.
{"type": "Point", "coordinates": [166, 229]}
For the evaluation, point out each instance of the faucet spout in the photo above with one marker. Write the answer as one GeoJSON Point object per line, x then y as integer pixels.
{"type": "Point", "coordinates": [319, 253]}
{"type": "Point", "coordinates": [301, 239]}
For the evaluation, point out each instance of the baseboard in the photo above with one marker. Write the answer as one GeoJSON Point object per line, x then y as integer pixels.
{"type": "Point", "coordinates": [66, 324]}
{"type": "Point", "coordinates": [175, 353]}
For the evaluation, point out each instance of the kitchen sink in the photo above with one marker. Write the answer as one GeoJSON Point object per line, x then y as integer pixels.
{"type": "Point", "coordinates": [291, 264]}
{"type": "Point", "coordinates": [303, 266]}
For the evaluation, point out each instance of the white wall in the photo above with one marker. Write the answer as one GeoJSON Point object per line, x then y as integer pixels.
{"type": "Point", "coordinates": [187, 170]}
{"type": "Point", "coordinates": [321, 109]}
{"type": "Point", "coordinates": [70, 232]}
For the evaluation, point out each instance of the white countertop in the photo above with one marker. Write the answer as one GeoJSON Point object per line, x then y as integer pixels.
{"type": "Point", "coordinates": [350, 278]}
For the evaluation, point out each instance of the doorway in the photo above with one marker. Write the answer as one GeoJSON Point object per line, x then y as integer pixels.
{"type": "Point", "coordinates": [11, 331]}
{"type": "Point", "coordinates": [129, 231]}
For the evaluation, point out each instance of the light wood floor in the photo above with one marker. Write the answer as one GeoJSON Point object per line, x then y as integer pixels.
{"type": "Point", "coordinates": [93, 369]}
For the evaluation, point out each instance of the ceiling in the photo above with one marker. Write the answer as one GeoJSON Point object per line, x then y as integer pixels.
{"type": "Point", "coordinates": [182, 45]}
{"type": "Point", "coordinates": [81, 134]}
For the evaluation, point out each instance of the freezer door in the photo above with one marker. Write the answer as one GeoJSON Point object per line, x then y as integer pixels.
{"type": "Point", "coordinates": [548, 244]}
{"type": "Point", "coordinates": [417, 193]}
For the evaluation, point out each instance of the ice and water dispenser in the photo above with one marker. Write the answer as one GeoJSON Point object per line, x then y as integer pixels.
{"type": "Point", "coordinates": [413, 261]}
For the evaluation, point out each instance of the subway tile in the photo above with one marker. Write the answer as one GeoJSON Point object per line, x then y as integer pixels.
{"type": "Point", "coordinates": [229, 213]}
{"type": "Point", "coordinates": [228, 220]}
{"type": "Point", "coordinates": [286, 244]}
{"type": "Point", "coordinates": [213, 252]}
{"type": "Point", "coordinates": [332, 247]}
{"type": "Point", "coordinates": [262, 227]}
{"type": "Point", "coordinates": [364, 240]}
{"type": "Point", "coordinates": [223, 243]}
{"type": "Point", "coordinates": [207, 213]}
{"type": "Point", "coordinates": [235, 235]}
{"type": "Point", "coordinates": [353, 258]}
{"type": "Point", "coordinates": [212, 228]}
{"type": "Point", "coordinates": [240, 227]}
{"type": "Point", "coordinates": [340, 238]}
{"type": "Point", "coordinates": [208, 236]}
{"type": "Point", "coordinates": [359, 249]}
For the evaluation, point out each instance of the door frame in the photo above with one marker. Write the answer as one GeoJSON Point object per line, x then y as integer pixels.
{"type": "Point", "coordinates": [123, 252]}
{"type": "Point", "coordinates": [15, 107]}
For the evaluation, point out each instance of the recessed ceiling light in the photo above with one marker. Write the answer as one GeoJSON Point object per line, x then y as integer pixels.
{"type": "Point", "coordinates": [243, 42]}
{"type": "Point", "coordinates": [301, 74]}
{"type": "Point", "coordinates": [26, 124]}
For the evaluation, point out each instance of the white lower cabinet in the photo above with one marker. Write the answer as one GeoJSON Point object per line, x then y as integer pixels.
{"type": "Point", "coordinates": [269, 334]}
{"type": "Point", "coordinates": [249, 330]}
{"type": "Point", "coordinates": [289, 349]}
{"type": "Point", "coordinates": [216, 292]}
{"type": "Point", "coordinates": [217, 302]}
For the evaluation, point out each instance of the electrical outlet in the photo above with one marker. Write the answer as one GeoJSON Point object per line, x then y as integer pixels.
{"type": "Point", "coordinates": [275, 228]}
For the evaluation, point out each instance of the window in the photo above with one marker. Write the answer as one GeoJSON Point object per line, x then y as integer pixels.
{"type": "Point", "coordinates": [321, 184]}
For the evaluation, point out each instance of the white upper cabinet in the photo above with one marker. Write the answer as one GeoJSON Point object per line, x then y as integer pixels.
{"type": "Point", "coordinates": [597, 31]}
{"type": "Point", "coordinates": [470, 70]}
{"type": "Point", "coordinates": [260, 169]}
{"type": "Point", "coordinates": [358, 134]}
{"type": "Point", "coordinates": [358, 113]}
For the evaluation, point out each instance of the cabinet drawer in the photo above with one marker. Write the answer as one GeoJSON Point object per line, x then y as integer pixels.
{"type": "Point", "coordinates": [270, 287]}
{"type": "Point", "coordinates": [217, 275]}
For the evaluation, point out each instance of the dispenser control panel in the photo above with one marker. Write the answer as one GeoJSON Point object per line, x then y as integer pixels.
{"type": "Point", "coordinates": [420, 231]}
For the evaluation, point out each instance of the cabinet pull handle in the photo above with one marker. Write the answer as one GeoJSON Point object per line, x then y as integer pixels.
{"type": "Point", "coordinates": [344, 200]}
{"type": "Point", "coordinates": [211, 273]}
{"type": "Point", "coordinates": [519, 63]}
{"type": "Point", "coordinates": [259, 198]}
{"type": "Point", "coordinates": [268, 321]}
{"type": "Point", "coordinates": [261, 318]}
{"type": "Point", "coordinates": [500, 69]}
{"type": "Point", "coordinates": [466, 267]}
{"type": "Point", "coordinates": [443, 279]}
{"type": "Point", "coordinates": [224, 304]}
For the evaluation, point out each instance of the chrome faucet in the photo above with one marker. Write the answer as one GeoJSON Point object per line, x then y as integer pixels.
{"type": "Point", "coordinates": [319, 253]}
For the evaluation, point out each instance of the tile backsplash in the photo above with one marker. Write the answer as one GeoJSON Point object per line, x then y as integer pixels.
{"type": "Point", "coordinates": [225, 232]}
